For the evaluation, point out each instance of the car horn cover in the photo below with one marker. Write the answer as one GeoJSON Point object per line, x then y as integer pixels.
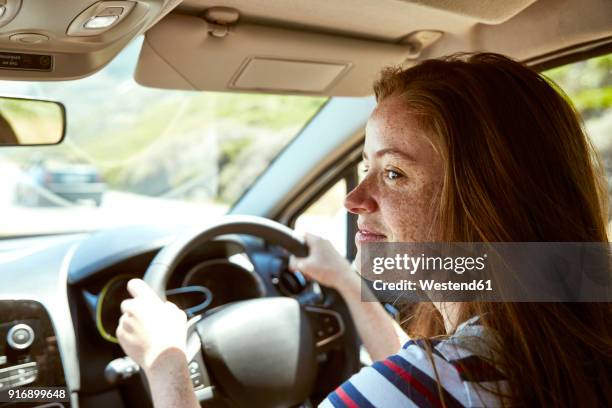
{"type": "Point", "coordinates": [261, 352]}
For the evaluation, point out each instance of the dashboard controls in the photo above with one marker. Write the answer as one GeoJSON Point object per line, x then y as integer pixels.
{"type": "Point", "coordinates": [20, 336]}
{"type": "Point", "coordinates": [120, 369]}
{"type": "Point", "coordinates": [311, 295]}
{"type": "Point", "coordinates": [18, 375]}
{"type": "Point", "coordinates": [29, 353]}
{"type": "Point", "coordinates": [327, 324]}
{"type": "Point", "coordinates": [295, 284]}
{"type": "Point", "coordinates": [291, 283]}
{"type": "Point", "coordinates": [196, 375]}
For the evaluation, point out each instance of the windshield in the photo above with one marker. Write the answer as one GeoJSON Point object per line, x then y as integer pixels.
{"type": "Point", "coordinates": [135, 155]}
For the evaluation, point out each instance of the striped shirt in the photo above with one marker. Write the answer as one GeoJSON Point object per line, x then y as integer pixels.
{"type": "Point", "coordinates": [407, 379]}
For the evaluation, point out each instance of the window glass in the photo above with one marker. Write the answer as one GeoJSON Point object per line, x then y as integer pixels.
{"type": "Point", "coordinates": [138, 155]}
{"type": "Point", "coordinates": [588, 84]}
{"type": "Point", "coordinates": [326, 217]}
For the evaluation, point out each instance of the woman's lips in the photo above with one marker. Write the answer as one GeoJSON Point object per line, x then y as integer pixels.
{"type": "Point", "coordinates": [369, 236]}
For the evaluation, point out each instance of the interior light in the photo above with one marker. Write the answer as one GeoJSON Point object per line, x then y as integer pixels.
{"type": "Point", "coordinates": [2, 10]}
{"type": "Point", "coordinates": [98, 22]}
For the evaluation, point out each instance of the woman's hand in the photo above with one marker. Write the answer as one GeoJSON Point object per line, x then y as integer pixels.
{"type": "Point", "coordinates": [323, 264]}
{"type": "Point", "coordinates": [149, 327]}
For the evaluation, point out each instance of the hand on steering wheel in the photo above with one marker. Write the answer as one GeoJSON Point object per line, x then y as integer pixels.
{"type": "Point", "coordinates": [323, 264]}
{"type": "Point", "coordinates": [149, 326]}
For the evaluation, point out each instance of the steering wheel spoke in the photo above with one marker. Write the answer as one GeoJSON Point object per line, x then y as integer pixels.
{"type": "Point", "coordinates": [206, 392]}
{"type": "Point", "coordinates": [327, 326]}
{"type": "Point", "coordinates": [197, 370]}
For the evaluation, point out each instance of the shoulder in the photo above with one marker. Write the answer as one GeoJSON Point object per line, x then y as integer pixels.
{"type": "Point", "coordinates": [426, 373]}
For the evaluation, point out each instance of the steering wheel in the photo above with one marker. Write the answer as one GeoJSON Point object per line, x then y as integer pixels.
{"type": "Point", "coordinates": [258, 352]}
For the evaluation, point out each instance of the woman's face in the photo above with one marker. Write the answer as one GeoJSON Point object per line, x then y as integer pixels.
{"type": "Point", "coordinates": [396, 200]}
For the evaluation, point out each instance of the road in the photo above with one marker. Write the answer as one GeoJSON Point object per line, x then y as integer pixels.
{"type": "Point", "coordinates": [117, 209]}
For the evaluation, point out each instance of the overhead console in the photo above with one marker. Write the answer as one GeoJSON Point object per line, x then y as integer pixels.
{"type": "Point", "coordinates": [29, 354]}
{"type": "Point", "coordinates": [52, 40]}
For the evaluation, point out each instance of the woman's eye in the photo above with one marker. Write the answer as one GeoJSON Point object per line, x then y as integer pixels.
{"type": "Point", "coordinates": [392, 175]}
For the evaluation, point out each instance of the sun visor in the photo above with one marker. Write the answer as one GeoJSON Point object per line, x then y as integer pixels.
{"type": "Point", "coordinates": [180, 53]}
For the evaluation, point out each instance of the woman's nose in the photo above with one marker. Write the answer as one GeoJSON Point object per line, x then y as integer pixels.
{"type": "Point", "coordinates": [360, 199]}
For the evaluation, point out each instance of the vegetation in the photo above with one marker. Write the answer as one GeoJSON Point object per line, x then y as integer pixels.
{"type": "Point", "coordinates": [588, 84]}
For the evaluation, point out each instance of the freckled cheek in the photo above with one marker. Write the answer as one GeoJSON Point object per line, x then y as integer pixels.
{"type": "Point", "coordinates": [409, 216]}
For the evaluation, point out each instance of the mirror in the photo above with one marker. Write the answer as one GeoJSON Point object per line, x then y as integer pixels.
{"type": "Point", "coordinates": [31, 122]}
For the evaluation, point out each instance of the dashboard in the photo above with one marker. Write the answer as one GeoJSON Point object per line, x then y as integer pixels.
{"type": "Point", "coordinates": [29, 354]}
{"type": "Point", "coordinates": [64, 293]}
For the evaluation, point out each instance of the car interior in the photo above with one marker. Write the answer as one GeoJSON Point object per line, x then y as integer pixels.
{"type": "Point", "coordinates": [191, 143]}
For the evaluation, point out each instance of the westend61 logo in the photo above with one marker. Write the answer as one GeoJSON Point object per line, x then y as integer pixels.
{"type": "Point", "coordinates": [492, 272]}
{"type": "Point", "coordinates": [412, 264]}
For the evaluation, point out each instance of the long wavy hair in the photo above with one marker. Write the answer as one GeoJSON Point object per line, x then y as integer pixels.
{"type": "Point", "coordinates": [518, 167]}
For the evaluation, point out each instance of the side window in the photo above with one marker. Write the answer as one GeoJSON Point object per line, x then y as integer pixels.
{"type": "Point", "coordinates": [588, 84]}
{"type": "Point", "coordinates": [327, 217]}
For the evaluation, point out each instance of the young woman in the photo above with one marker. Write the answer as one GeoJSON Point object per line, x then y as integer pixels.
{"type": "Point", "coordinates": [472, 148]}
